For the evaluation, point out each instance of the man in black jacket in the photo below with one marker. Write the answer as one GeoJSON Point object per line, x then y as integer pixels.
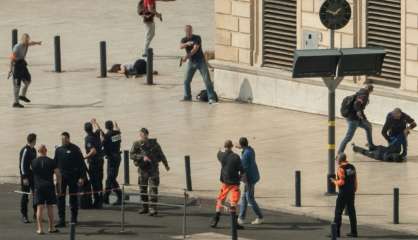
{"type": "Point", "coordinates": [70, 162]}
{"type": "Point", "coordinates": [26, 155]}
{"type": "Point", "coordinates": [232, 172]}
{"type": "Point", "coordinates": [357, 118]}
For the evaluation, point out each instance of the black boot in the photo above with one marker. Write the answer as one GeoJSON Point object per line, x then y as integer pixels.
{"type": "Point", "coordinates": [215, 220]}
{"type": "Point", "coordinates": [144, 210]}
{"type": "Point", "coordinates": [60, 224]}
{"type": "Point", "coordinates": [106, 198]}
{"type": "Point", "coordinates": [119, 198]}
{"type": "Point", "coordinates": [25, 219]}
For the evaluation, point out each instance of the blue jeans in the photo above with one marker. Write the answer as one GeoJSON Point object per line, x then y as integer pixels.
{"type": "Point", "coordinates": [352, 127]}
{"type": "Point", "coordinates": [400, 140]}
{"type": "Point", "coordinates": [248, 198]}
{"type": "Point", "coordinates": [204, 71]}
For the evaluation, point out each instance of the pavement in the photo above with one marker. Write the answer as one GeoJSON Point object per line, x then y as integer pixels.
{"type": "Point", "coordinates": [106, 224]}
{"type": "Point", "coordinates": [285, 141]}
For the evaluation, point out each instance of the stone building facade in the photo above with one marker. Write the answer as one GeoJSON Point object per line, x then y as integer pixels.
{"type": "Point", "coordinates": [255, 40]}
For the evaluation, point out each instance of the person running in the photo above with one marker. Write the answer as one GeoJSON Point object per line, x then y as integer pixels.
{"type": "Point", "coordinates": [196, 61]}
{"type": "Point", "coordinates": [26, 155]}
{"type": "Point", "coordinates": [397, 128]}
{"type": "Point", "coordinates": [147, 9]}
{"type": "Point", "coordinates": [232, 172]}
{"type": "Point", "coordinates": [347, 184]}
{"type": "Point", "coordinates": [147, 154]}
{"type": "Point", "coordinates": [44, 169]}
{"type": "Point", "coordinates": [357, 118]}
{"type": "Point", "coordinates": [70, 162]}
{"type": "Point", "coordinates": [253, 176]}
{"type": "Point", "coordinates": [20, 70]}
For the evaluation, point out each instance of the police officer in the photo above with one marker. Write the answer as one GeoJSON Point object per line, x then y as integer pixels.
{"type": "Point", "coordinates": [111, 147]}
{"type": "Point", "coordinates": [147, 154]}
{"type": "Point", "coordinates": [27, 154]}
{"type": "Point", "coordinates": [70, 162]}
{"type": "Point", "coordinates": [347, 184]}
{"type": "Point", "coordinates": [95, 162]}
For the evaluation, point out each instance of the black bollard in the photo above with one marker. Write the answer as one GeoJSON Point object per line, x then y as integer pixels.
{"type": "Point", "coordinates": [298, 197]}
{"type": "Point", "coordinates": [188, 173]}
{"type": "Point", "coordinates": [333, 231]}
{"type": "Point", "coordinates": [72, 231]}
{"type": "Point", "coordinates": [14, 37]}
{"type": "Point", "coordinates": [122, 208]}
{"type": "Point", "coordinates": [396, 206]}
{"type": "Point", "coordinates": [234, 232]}
{"type": "Point", "coordinates": [150, 66]}
{"type": "Point", "coordinates": [103, 64]}
{"type": "Point", "coordinates": [57, 47]}
{"type": "Point", "coordinates": [126, 171]}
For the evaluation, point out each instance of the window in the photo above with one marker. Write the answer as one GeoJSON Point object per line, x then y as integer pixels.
{"type": "Point", "coordinates": [279, 33]}
{"type": "Point", "coordinates": [384, 30]}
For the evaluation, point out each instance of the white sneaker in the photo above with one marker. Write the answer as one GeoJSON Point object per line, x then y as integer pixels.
{"type": "Point", "coordinates": [211, 101]}
{"type": "Point", "coordinates": [241, 221]}
{"type": "Point", "coordinates": [257, 221]}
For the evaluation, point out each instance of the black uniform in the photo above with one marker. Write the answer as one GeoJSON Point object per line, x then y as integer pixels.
{"type": "Point", "coordinates": [95, 166]}
{"type": "Point", "coordinates": [71, 164]}
{"type": "Point", "coordinates": [149, 173]}
{"type": "Point", "coordinates": [26, 155]}
{"type": "Point", "coordinates": [111, 147]}
{"type": "Point", "coordinates": [347, 183]}
{"type": "Point", "coordinates": [43, 172]}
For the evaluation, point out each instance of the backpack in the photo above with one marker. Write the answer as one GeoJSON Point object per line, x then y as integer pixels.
{"type": "Point", "coordinates": [140, 67]}
{"type": "Point", "coordinates": [140, 8]}
{"type": "Point", "coordinates": [86, 197]}
{"type": "Point", "coordinates": [347, 105]}
{"type": "Point", "coordinates": [203, 96]}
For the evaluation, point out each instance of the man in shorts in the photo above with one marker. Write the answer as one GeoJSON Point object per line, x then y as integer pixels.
{"type": "Point", "coordinates": [44, 169]}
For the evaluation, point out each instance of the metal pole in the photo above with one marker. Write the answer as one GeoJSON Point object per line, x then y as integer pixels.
{"type": "Point", "coordinates": [103, 63]}
{"type": "Point", "coordinates": [72, 231]}
{"type": "Point", "coordinates": [126, 170]}
{"type": "Point", "coordinates": [333, 231]}
{"type": "Point", "coordinates": [57, 48]}
{"type": "Point", "coordinates": [188, 173]}
{"type": "Point", "coordinates": [122, 207]}
{"type": "Point", "coordinates": [150, 66]}
{"type": "Point", "coordinates": [396, 206]}
{"type": "Point", "coordinates": [298, 201]}
{"type": "Point", "coordinates": [234, 232]}
{"type": "Point", "coordinates": [185, 215]}
{"type": "Point", "coordinates": [14, 37]}
{"type": "Point", "coordinates": [331, 128]}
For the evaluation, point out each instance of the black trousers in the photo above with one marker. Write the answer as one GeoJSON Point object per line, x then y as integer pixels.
{"type": "Point", "coordinates": [346, 200]}
{"type": "Point", "coordinates": [96, 179]}
{"type": "Point", "coordinates": [145, 181]}
{"type": "Point", "coordinates": [25, 197]}
{"type": "Point", "coordinates": [72, 185]}
{"type": "Point", "coordinates": [113, 163]}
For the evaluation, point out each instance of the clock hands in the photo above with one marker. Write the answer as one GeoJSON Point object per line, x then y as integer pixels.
{"type": "Point", "coordinates": [334, 13]}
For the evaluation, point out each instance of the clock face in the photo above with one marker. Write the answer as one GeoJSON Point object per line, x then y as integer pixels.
{"type": "Point", "coordinates": [335, 14]}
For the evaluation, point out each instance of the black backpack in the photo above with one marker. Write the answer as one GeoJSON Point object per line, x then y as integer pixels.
{"type": "Point", "coordinates": [347, 105]}
{"type": "Point", "coordinates": [86, 197]}
{"type": "Point", "coordinates": [140, 67]}
{"type": "Point", "coordinates": [140, 8]}
{"type": "Point", "coordinates": [203, 96]}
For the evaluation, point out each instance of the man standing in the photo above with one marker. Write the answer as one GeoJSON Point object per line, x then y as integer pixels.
{"type": "Point", "coordinates": [147, 154]}
{"type": "Point", "coordinates": [232, 172]}
{"type": "Point", "coordinates": [70, 162]}
{"type": "Point", "coordinates": [26, 155]}
{"type": "Point", "coordinates": [147, 9]}
{"type": "Point", "coordinates": [347, 184]}
{"type": "Point", "coordinates": [356, 118]}
{"type": "Point", "coordinates": [253, 176]}
{"type": "Point", "coordinates": [44, 169]}
{"type": "Point", "coordinates": [20, 70]}
{"type": "Point", "coordinates": [111, 146]}
{"type": "Point", "coordinates": [196, 61]}
{"type": "Point", "coordinates": [95, 161]}
{"type": "Point", "coordinates": [396, 129]}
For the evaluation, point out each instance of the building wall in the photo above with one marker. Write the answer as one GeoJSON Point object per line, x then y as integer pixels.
{"type": "Point", "coordinates": [411, 56]}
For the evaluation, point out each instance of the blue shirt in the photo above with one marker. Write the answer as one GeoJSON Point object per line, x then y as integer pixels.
{"type": "Point", "coordinates": [250, 166]}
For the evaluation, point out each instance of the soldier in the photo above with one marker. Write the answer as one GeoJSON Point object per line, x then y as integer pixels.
{"type": "Point", "coordinates": [27, 154]}
{"type": "Point", "coordinates": [147, 154]}
{"type": "Point", "coordinates": [95, 161]}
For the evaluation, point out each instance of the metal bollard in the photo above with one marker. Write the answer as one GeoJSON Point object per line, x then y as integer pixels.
{"type": "Point", "coordinates": [396, 206]}
{"type": "Point", "coordinates": [234, 231]}
{"type": "Point", "coordinates": [14, 37]}
{"type": "Point", "coordinates": [333, 231]}
{"type": "Point", "coordinates": [122, 208]}
{"type": "Point", "coordinates": [188, 173]}
{"type": "Point", "coordinates": [103, 64]}
{"type": "Point", "coordinates": [72, 231]}
{"type": "Point", "coordinates": [185, 215]}
{"type": "Point", "coordinates": [150, 66]}
{"type": "Point", "coordinates": [298, 198]}
{"type": "Point", "coordinates": [57, 48]}
{"type": "Point", "coordinates": [126, 170]}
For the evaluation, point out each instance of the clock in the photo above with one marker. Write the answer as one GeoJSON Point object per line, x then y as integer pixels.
{"type": "Point", "coordinates": [335, 14]}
